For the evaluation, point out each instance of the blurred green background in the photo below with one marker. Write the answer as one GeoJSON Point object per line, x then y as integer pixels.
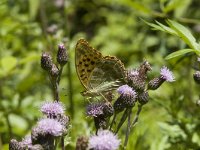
{"type": "Point", "coordinates": [28, 27]}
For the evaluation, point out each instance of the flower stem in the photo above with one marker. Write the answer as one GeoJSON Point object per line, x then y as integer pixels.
{"type": "Point", "coordinates": [122, 120]}
{"type": "Point", "coordinates": [136, 116]}
{"type": "Point", "coordinates": [62, 143]}
{"type": "Point", "coordinates": [128, 129]}
{"type": "Point", "coordinates": [113, 121]}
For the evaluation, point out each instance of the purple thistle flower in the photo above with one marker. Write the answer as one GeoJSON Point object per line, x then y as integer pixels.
{"type": "Point", "coordinates": [166, 74]}
{"type": "Point", "coordinates": [104, 140]}
{"type": "Point", "coordinates": [126, 91]}
{"type": "Point", "coordinates": [95, 109]}
{"type": "Point", "coordinates": [50, 126]}
{"type": "Point", "coordinates": [52, 108]}
{"type": "Point", "coordinates": [27, 140]}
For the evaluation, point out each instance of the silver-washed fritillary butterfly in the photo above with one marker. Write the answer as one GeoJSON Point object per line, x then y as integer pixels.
{"type": "Point", "coordinates": [97, 73]}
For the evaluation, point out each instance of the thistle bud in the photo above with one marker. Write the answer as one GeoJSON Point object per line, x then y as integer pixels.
{"type": "Point", "coordinates": [54, 72]}
{"type": "Point", "coordinates": [46, 61]}
{"type": "Point", "coordinates": [82, 143]}
{"type": "Point", "coordinates": [196, 77]}
{"type": "Point", "coordinates": [108, 110]}
{"type": "Point", "coordinates": [62, 55]}
{"type": "Point", "coordinates": [143, 97]}
{"type": "Point", "coordinates": [100, 122]}
{"type": "Point", "coordinates": [155, 83]}
{"type": "Point", "coordinates": [119, 106]}
{"type": "Point", "coordinates": [15, 145]}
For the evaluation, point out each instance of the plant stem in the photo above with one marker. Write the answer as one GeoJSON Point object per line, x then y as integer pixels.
{"type": "Point", "coordinates": [70, 90]}
{"type": "Point", "coordinates": [136, 116]}
{"type": "Point", "coordinates": [60, 73]}
{"type": "Point", "coordinates": [62, 143]}
{"type": "Point", "coordinates": [113, 120]}
{"type": "Point", "coordinates": [128, 129]}
{"type": "Point", "coordinates": [122, 120]}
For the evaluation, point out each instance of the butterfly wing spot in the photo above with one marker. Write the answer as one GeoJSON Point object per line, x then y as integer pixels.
{"type": "Point", "coordinates": [92, 62]}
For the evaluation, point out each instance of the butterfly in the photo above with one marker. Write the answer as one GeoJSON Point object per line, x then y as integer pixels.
{"type": "Point", "coordinates": [97, 73]}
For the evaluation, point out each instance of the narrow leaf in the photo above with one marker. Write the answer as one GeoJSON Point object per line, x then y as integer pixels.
{"type": "Point", "coordinates": [184, 33]}
{"type": "Point", "coordinates": [179, 53]}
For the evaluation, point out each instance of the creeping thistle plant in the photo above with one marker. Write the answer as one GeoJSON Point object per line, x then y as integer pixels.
{"type": "Point", "coordinates": [53, 126]}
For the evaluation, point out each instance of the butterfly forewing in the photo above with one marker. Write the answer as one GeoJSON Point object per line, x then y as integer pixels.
{"type": "Point", "coordinates": [86, 59]}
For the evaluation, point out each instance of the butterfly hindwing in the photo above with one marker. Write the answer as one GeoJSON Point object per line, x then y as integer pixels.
{"type": "Point", "coordinates": [108, 69]}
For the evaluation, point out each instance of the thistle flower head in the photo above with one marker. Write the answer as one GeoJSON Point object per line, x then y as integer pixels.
{"type": "Point", "coordinates": [136, 79]}
{"type": "Point", "coordinates": [104, 140]}
{"type": "Point", "coordinates": [126, 91]}
{"type": "Point", "coordinates": [27, 140]}
{"type": "Point", "coordinates": [166, 74]}
{"type": "Point", "coordinates": [95, 109]}
{"type": "Point", "coordinates": [50, 126]}
{"type": "Point", "coordinates": [52, 108]}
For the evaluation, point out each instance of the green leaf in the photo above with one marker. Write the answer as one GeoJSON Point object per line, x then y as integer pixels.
{"type": "Point", "coordinates": [30, 58]}
{"type": "Point", "coordinates": [18, 122]}
{"type": "Point", "coordinates": [33, 8]}
{"type": "Point", "coordinates": [179, 53]}
{"type": "Point", "coordinates": [185, 34]}
{"type": "Point", "coordinates": [154, 26]}
{"type": "Point", "coordinates": [167, 29]}
{"type": "Point", "coordinates": [7, 64]}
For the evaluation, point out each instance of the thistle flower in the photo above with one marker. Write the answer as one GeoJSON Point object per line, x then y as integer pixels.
{"type": "Point", "coordinates": [46, 61]}
{"type": "Point", "coordinates": [127, 95]}
{"type": "Point", "coordinates": [63, 119]}
{"type": "Point", "coordinates": [52, 108]}
{"type": "Point", "coordinates": [135, 80]}
{"type": "Point", "coordinates": [126, 91]}
{"type": "Point", "coordinates": [104, 140]}
{"type": "Point", "coordinates": [166, 74]}
{"type": "Point", "coordinates": [95, 109]}
{"type": "Point", "coordinates": [15, 145]}
{"type": "Point", "coordinates": [50, 126]}
{"type": "Point", "coordinates": [27, 141]}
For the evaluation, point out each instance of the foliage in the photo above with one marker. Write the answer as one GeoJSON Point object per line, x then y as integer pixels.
{"type": "Point", "coordinates": [27, 28]}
